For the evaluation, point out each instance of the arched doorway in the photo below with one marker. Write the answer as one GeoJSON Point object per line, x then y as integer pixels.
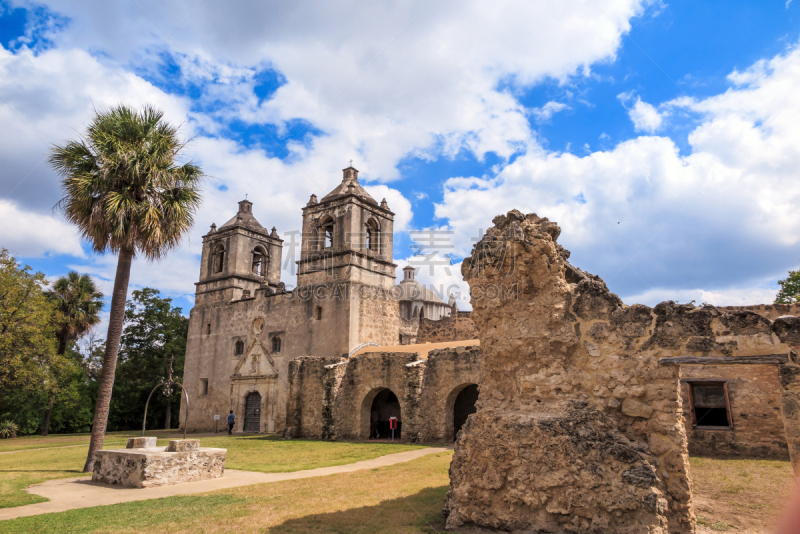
{"type": "Point", "coordinates": [384, 406]}
{"type": "Point", "coordinates": [463, 407]}
{"type": "Point", "coordinates": [252, 412]}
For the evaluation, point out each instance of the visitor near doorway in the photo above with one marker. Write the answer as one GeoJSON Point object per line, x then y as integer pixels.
{"type": "Point", "coordinates": [231, 421]}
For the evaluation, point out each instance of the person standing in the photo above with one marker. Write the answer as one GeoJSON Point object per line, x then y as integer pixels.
{"type": "Point", "coordinates": [231, 421]}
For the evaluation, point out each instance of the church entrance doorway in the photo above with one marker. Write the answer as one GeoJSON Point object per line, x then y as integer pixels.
{"type": "Point", "coordinates": [463, 407]}
{"type": "Point", "coordinates": [384, 406]}
{"type": "Point", "coordinates": [252, 412]}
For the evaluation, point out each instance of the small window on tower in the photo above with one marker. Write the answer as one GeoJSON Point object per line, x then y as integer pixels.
{"type": "Point", "coordinates": [259, 262]}
{"type": "Point", "coordinates": [319, 313]}
{"type": "Point", "coordinates": [276, 344]}
{"type": "Point", "coordinates": [710, 406]}
{"type": "Point", "coordinates": [218, 259]}
{"type": "Point", "coordinates": [203, 386]}
{"type": "Point", "coordinates": [373, 235]}
{"type": "Point", "coordinates": [208, 329]}
{"type": "Point", "coordinates": [239, 347]}
{"type": "Point", "coordinates": [327, 233]}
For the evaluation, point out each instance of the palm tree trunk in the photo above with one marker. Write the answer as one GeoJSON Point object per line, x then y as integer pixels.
{"type": "Point", "coordinates": [48, 413]}
{"type": "Point", "coordinates": [106, 383]}
{"type": "Point", "coordinates": [168, 417]}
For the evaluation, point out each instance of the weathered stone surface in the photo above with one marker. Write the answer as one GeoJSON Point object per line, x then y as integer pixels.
{"type": "Point", "coordinates": [181, 445]}
{"type": "Point", "coordinates": [141, 443]}
{"type": "Point", "coordinates": [636, 408]}
{"type": "Point", "coordinates": [561, 440]}
{"type": "Point", "coordinates": [144, 468]}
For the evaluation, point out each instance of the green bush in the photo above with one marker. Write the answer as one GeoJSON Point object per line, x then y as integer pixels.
{"type": "Point", "coordinates": [8, 430]}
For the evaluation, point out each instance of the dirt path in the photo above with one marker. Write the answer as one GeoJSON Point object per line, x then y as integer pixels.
{"type": "Point", "coordinates": [79, 492]}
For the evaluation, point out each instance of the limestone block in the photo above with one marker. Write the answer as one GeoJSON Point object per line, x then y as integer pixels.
{"type": "Point", "coordinates": [181, 445]}
{"type": "Point", "coordinates": [144, 468]}
{"type": "Point", "coordinates": [635, 408]}
{"type": "Point", "coordinates": [141, 443]}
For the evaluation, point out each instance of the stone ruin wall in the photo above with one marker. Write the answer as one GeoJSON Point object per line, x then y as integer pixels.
{"type": "Point", "coordinates": [755, 403]}
{"type": "Point", "coordinates": [579, 428]}
{"type": "Point", "coordinates": [331, 398]}
{"type": "Point", "coordinates": [457, 327]}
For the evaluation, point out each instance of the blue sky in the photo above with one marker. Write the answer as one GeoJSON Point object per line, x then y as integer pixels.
{"type": "Point", "coordinates": [660, 136]}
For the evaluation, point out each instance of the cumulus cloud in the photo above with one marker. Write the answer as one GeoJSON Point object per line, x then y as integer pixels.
{"type": "Point", "coordinates": [544, 113]}
{"type": "Point", "coordinates": [653, 221]}
{"type": "Point", "coordinates": [645, 117]}
{"type": "Point", "coordinates": [30, 234]}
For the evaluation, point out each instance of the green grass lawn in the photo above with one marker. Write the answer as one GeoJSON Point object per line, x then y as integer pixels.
{"type": "Point", "coordinates": [68, 440]}
{"type": "Point", "coordinates": [405, 498]}
{"type": "Point", "coordinates": [268, 454]}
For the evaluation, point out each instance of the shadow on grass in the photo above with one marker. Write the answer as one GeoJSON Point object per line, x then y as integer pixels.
{"type": "Point", "coordinates": [421, 510]}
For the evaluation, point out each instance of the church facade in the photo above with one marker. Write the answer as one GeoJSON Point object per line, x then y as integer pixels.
{"type": "Point", "coordinates": [246, 328]}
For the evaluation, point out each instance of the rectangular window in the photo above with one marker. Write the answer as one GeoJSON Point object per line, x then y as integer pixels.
{"type": "Point", "coordinates": [710, 405]}
{"type": "Point", "coordinates": [208, 329]}
{"type": "Point", "coordinates": [203, 386]}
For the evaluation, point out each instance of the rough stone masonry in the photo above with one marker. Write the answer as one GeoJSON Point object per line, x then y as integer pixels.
{"type": "Point", "coordinates": [578, 428]}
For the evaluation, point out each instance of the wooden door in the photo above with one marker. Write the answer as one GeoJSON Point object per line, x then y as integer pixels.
{"type": "Point", "coordinates": [252, 413]}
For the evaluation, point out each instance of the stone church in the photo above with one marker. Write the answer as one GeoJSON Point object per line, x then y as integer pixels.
{"type": "Point", "coordinates": [257, 349]}
{"type": "Point", "coordinates": [349, 348]}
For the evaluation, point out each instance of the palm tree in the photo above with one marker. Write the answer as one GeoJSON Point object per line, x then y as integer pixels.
{"type": "Point", "coordinates": [127, 194]}
{"type": "Point", "coordinates": [79, 302]}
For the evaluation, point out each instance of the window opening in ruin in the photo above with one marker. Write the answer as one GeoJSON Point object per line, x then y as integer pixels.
{"type": "Point", "coordinates": [327, 233]}
{"type": "Point", "coordinates": [218, 258]}
{"type": "Point", "coordinates": [208, 329]}
{"type": "Point", "coordinates": [259, 262]}
{"type": "Point", "coordinates": [239, 348]}
{"type": "Point", "coordinates": [463, 407]}
{"type": "Point", "coordinates": [276, 344]}
{"type": "Point", "coordinates": [252, 412]}
{"type": "Point", "coordinates": [373, 234]}
{"type": "Point", "coordinates": [710, 405]}
{"type": "Point", "coordinates": [203, 386]}
{"type": "Point", "coordinates": [384, 406]}
{"type": "Point", "coordinates": [319, 313]}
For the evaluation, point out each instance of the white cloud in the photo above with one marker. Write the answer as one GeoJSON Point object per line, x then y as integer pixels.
{"type": "Point", "coordinates": [655, 222]}
{"type": "Point", "coordinates": [544, 113]}
{"type": "Point", "coordinates": [645, 117]}
{"type": "Point", "coordinates": [31, 234]}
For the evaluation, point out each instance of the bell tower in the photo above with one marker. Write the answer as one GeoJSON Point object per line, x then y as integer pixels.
{"type": "Point", "coordinates": [347, 237]}
{"type": "Point", "coordinates": [239, 258]}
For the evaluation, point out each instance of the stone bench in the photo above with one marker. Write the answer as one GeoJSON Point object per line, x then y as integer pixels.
{"type": "Point", "coordinates": [143, 465]}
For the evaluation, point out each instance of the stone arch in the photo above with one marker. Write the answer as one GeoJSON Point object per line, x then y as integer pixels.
{"type": "Point", "coordinates": [386, 398]}
{"type": "Point", "coordinates": [326, 233]}
{"type": "Point", "coordinates": [260, 262]}
{"type": "Point", "coordinates": [459, 405]}
{"type": "Point", "coordinates": [218, 258]}
{"type": "Point", "coordinates": [373, 236]}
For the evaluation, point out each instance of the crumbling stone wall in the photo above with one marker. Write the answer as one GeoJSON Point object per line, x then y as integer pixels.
{"type": "Point", "coordinates": [578, 428]}
{"type": "Point", "coordinates": [457, 327]}
{"type": "Point", "coordinates": [579, 425]}
{"type": "Point", "coordinates": [447, 372]}
{"type": "Point", "coordinates": [311, 380]}
{"type": "Point", "coordinates": [755, 401]}
{"type": "Point", "coordinates": [364, 377]}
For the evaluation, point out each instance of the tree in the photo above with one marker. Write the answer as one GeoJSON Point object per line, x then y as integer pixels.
{"type": "Point", "coordinates": [27, 332]}
{"type": "Point", "coordinates": [153, 338]}
{"type": "Point", "coordinates": [790, 289]}
{"type": "Point", "coordinates": [79, 301]}
{"type": "Point", "coordinates": [128, 195]}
